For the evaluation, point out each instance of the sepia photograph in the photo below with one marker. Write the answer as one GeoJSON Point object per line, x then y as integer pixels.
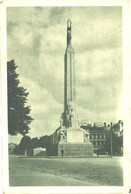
{"type": "Point", "coordinates": [65, 118]}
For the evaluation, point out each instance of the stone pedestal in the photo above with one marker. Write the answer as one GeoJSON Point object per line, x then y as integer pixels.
{"type": "Point", "coordinates": [73, 143]}
{"type": "Point", "coordinates": [75, 136]}
{"type": "Point", "coordinates": [75, 149]}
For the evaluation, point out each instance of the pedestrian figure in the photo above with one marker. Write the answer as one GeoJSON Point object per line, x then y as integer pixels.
{"type": "Point", "coordinates": [97, 153]}
{"type": "Point", "coordinates": [62, 152]}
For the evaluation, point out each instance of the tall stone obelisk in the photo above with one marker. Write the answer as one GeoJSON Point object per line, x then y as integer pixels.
{"type": "Point", "coordinates": [69, 137]}
{"type": "Point", "coordinates": [69, 94]}
{"type": "Point", "coordinates": [69, 115]}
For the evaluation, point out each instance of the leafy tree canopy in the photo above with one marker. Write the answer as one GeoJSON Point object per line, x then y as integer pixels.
{"type": "Point", "coordinates": [117, 144]}
{"type": "Point", "coordinates": [18, 112]}
{"type": "Point", "coordinates": [25, 142]}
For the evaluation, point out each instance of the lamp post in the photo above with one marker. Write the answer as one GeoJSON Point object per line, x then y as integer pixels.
{"type": "Point", "coordinates": [111, 140]}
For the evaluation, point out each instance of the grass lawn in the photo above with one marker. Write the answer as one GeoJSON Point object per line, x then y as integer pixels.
{"type": "Point", "coordinates": [92, 171]}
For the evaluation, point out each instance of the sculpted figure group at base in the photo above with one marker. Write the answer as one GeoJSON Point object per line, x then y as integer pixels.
{"type": "Point", "coordinates": [86, 136]}
{"type": "Point", "coordinates": [63, 135]}
{"type": "Point", "coordinates": [69, 118]}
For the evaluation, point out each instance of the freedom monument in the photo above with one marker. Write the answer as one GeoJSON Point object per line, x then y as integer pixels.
{"type": "Point", "coordinates": [69, 139]}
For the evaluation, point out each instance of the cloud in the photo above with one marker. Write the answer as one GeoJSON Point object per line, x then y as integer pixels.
{"type": "Point", "coordinates": [45, 109]}
{"type": "Point", "coordinates": [99, 63]}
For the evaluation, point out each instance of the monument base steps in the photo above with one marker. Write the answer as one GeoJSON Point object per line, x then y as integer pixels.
{"type": "Point", "coordinates": [75, 149]}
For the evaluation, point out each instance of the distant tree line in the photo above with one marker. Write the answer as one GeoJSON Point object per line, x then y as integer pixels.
{"type": "Point", "coordinates": [117, 145]}
{"type": "Point", "coordinates": [28, 143]}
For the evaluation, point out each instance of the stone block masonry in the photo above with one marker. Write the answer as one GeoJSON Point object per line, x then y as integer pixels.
{"type": "Point", "coordinates": [75, 149]}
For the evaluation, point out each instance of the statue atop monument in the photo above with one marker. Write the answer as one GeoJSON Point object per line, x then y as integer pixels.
{"type": "Point", "coordinates": [69, 32]}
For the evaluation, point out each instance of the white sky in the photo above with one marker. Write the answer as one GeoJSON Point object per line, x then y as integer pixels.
{"type": "Point", "coordinates": [37, 43]}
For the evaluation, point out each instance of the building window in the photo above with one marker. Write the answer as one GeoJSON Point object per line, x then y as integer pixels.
{"type": "Point", "coordinates": [90, 136]}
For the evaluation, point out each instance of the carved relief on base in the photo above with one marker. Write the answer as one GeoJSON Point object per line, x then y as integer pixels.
{"type": "Point", "coordinates": [63, 135]}
{"type": "Point", "coordinates": [86, 136]}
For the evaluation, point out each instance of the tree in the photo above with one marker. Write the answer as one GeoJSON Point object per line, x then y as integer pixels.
{"type": "Point", "coordinates": [35, 142]}
{"type": "Point", "coordinates": [19, 150]}
{"type": "Point", "coordinates": [44, 141]}
{"type": "Point", "coordinates": [18, 112]}
{"type": "Point", "coordinates": [24, 147]}
{"type": "Point", "coordinates": [25, 142]}
{"type": "Point", "coordinates": [117, 144]}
